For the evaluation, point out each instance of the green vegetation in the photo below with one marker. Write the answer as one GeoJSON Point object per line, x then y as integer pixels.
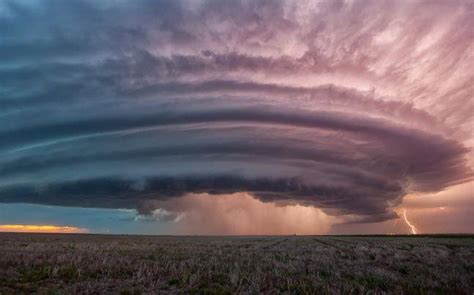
{"type": "Point", "coordinates": [99, 264]}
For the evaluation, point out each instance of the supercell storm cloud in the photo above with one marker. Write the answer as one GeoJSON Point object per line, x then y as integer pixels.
{"type": "Point", "coordinates": [347, 106]}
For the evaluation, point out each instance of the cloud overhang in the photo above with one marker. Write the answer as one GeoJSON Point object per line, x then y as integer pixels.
{"type": "Point", "coordinates": [346, 106]}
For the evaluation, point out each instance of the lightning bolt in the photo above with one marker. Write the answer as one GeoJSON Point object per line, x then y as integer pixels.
{"type": "Point", "coordinates": [412, 227]}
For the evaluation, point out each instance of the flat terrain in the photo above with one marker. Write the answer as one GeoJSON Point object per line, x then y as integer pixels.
{"type": "Point", "coordinates": [103, 264]}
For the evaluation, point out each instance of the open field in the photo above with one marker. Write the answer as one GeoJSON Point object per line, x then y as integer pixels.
{"type": "Point", "coordinates": [102, 264]}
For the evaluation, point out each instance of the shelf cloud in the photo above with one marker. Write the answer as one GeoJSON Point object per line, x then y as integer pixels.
{"type": "Point", "coordinates": [347, 106]}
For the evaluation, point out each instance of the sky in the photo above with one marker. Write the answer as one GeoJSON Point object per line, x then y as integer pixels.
{"type": "Point", "coordinates": [237, 117]}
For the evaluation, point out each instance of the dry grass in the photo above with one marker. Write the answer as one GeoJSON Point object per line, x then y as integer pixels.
{"type": "Point", "coordinates": [99, 264]}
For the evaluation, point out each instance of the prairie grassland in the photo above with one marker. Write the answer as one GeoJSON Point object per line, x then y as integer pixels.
{"type": "Point", "coordinates": [103, 264]}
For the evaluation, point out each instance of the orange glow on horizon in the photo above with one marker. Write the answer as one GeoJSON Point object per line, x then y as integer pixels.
{"type": "Point", "coordinates": [30, 228]}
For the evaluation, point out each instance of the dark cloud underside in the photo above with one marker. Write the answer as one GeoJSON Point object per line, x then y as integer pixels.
{"type": "Point", "coordinates": [344, 105]}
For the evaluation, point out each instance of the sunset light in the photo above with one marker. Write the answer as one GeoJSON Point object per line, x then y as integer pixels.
{"type": "Point", "coordinates": [29, 228]}
{"type": "Point", "coordinates": [237, 147]}
{"type": "Point", "coordinates": [325, 113]}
